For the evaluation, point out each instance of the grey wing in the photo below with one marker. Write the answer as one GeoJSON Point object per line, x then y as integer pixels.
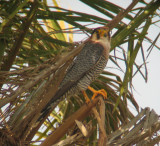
{"type": "Point", "coordinates": [82, 64]}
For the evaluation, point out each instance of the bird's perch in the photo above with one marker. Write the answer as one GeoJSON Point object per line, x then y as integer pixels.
{"type": "Point", "coordinates": [78, 115]}
{"type": "Point", "coordinates": [113, 23]}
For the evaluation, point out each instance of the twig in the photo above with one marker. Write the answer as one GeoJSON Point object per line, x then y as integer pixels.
{"type": "Point", "coordinates": [102, 138]}
{"type": "Point", "coordinates": [117, 133]}
{"type": "Point", "coordinates": [69, 140]}
{"type": "Point", "coordinates": [138, 131]}
{"type": "Point", "coordinates": [99, 121]}
{"type": "Point", "coordinates": [121, 15]}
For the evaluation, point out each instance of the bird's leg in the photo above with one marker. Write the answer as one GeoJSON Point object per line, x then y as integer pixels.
{"type": "Point", "coordinates": [86, 97]}
{"type": "Point", "coordinates": [95, 93]}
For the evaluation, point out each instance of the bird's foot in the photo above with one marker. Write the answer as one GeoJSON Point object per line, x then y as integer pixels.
{"type": "Point", "coordinates": [101, 92]}
{"type": "Point", "coordinates": [95, 93]}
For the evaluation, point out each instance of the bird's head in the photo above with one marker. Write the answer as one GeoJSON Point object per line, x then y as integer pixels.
{"type": "Point", "coordinates": [101, 33]}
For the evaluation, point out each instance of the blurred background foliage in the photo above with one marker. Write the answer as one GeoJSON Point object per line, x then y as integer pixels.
{"type": "Point", "coordinates": [35, 35]}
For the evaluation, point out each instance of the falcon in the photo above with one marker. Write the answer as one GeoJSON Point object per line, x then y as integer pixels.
{"type": "Point", "coordinates": [84, 69]}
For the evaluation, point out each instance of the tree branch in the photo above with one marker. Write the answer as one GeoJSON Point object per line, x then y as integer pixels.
{"type": "Point", "coordinates": [113, 23]}
{"type": "Point", "coordinates": [78, 115]}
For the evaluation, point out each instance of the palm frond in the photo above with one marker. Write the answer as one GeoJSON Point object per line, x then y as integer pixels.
{"type": "Point", "coordinates": [36, 41]}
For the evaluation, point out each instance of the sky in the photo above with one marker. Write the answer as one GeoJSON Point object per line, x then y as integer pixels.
{"type": "Point", "coordinates": [146, 94]}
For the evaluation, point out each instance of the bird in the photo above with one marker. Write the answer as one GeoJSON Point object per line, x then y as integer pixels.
{"type": "Point", "coordinates": [84, 69]}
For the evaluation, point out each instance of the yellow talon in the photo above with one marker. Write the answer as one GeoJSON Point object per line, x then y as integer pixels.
{"type": "Point", "coordinates": [95, 93]}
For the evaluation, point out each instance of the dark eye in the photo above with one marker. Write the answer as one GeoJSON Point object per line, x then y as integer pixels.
{"type": "Point", "coordinates": [105, 35]}
{"type": "Point", "coordinates": [98, 36]}
{"type": "Point", "coordinates": [109, 34]}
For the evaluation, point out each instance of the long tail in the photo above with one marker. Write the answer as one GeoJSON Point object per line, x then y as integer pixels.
{"type": "Point", "coordinates": [51, 105]}
{"type": "Point", "coordinates": [67, 90]}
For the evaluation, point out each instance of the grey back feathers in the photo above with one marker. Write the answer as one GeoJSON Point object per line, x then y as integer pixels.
{"type": "Point", "coordinates": [82, 64]}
